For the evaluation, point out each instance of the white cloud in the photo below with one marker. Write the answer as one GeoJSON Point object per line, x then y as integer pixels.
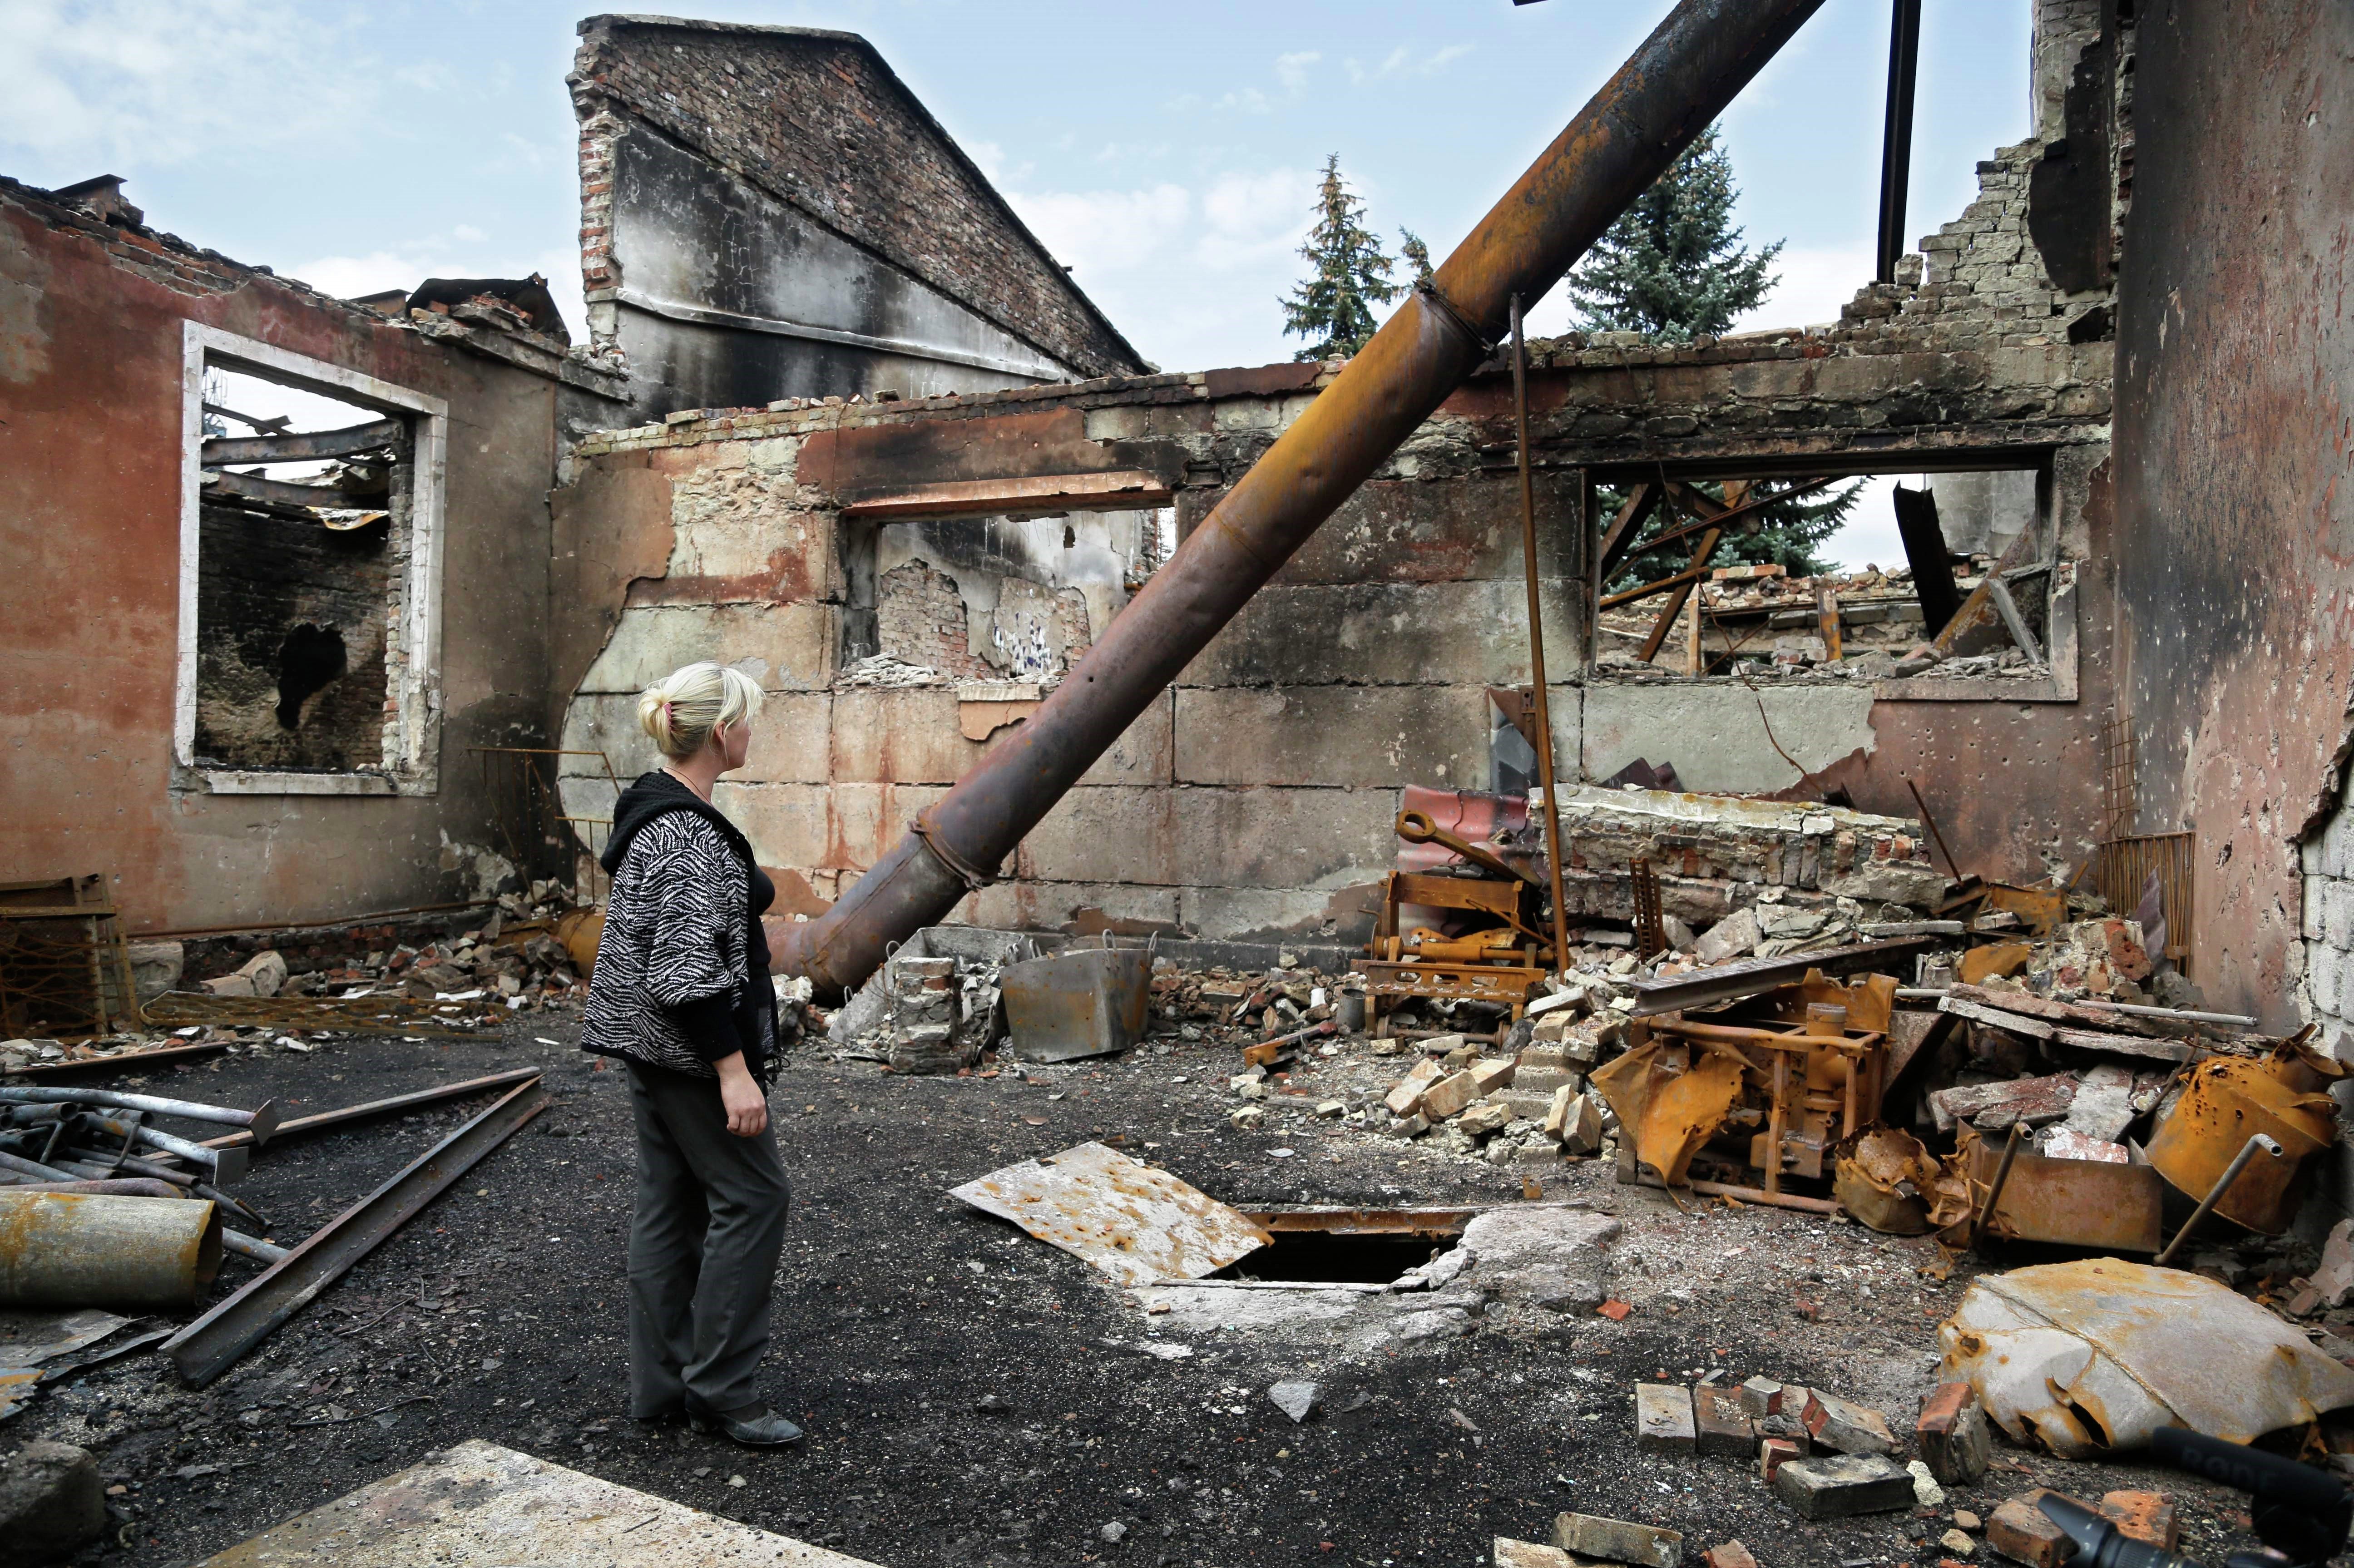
{"type": "Point", "coordinates": [1094, 231]}
{"type": "Point", "coordinates": [143, 82]}
{"type": "Point", "coordinates": [1814, 284]}
{"type": "Point", "coordinates": [1291, 70]}
{"type": "Point", "coordinates": [1400, 61]}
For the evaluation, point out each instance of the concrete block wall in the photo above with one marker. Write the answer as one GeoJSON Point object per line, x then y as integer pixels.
{"type": "Point", "coordinates": [2327, 861]}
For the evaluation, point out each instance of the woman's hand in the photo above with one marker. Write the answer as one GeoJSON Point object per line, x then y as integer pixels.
{"type": "Point", "coordinates": [741, 1096]}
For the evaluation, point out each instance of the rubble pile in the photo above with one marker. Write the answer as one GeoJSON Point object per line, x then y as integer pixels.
{"type": "Point", "coordinates": [1757, 622]}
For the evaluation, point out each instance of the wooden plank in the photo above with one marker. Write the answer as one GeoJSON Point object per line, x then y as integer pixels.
{"type": "Point", "coordinates": [1639, 503]}
{"type": "Point", "coordinates": [1048, 492]}
{"type": "Point", "coordinates": [308, 446]}
{"type": "Point", "coordinates": [1975, 607]}
{"type": "Point", "coordinates": [1745, 511]}
{"type": "Point", "coordinates": [252, 487]}
{"type": "Point", "coordinates": [1925, 553]}
{"type": "Point", "coordinates": [2124, 1045]}
{"type": "Point", "coordinates": [1683, 592]}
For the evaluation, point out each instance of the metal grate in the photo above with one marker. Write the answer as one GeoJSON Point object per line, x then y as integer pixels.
{"type": "Point", "coordinates": [2117, 781]}
{"type": "Point", "coordinates": [2121, 873]}
{"type": "Point", "coordinates": [64, 970]}
{"type": "Point", "coordinates": [1651, 929]}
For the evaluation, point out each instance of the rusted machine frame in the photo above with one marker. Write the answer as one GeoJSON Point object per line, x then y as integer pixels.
{"type": "Point", "coordinates": [113, 997]}
{"type": "Point", "coordinates": [1865, 1053]}
{"type": "Point", "coordinates": [1548, 781]}
{"type": "Point", "coordinates": [1676, 82]}
{"type": "Point", "coordinates": [1394, 975]}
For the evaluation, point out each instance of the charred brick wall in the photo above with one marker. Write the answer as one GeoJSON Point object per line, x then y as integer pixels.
{"type": "Point", "coordinates": [2235, 508]}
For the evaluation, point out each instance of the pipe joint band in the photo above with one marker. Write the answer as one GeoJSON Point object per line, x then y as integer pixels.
{"type": "Point", "coordinates": [1455, 318]}
{"type": "Point", "coordinates": [973, 879]}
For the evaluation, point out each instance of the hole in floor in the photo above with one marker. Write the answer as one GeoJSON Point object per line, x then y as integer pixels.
{"type": "Point", "coordinates": [1336, 1257]}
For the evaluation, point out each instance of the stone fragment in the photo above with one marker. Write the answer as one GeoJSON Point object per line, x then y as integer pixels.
{"type": "Point", "coordinates": [52, 1501]}
{"type": "Point", "coordinates": [1442, 1045]}
{"type": "Point", "coordinates": [2334, 1280]}
{"type": "Point", "coordinates": [1247, 1117]}
{"type": "Point", "coordinates": [1543, 1081]}
{"type": "Point", "coordinates": [1772, 1453]}
{"type": "Point", "coordinates": [2020, 1531]}
{"type": "Point", "coordinates": [1843, 1484]}
{"type": "Point", "coordinates": [1952, 1435]}
{"type": "Point", "coordinates": [1552, 1259]}
{"type": "Point", "coordinates": [1447, 1096]}
{"type": "Point", "coordinates": [1549, 1054]}
{"type": "Point", "coordinates": [1663, 1418]}
{"type": "Point", "coordinates": [1729, 939]}
{"type": "Point", "coordinates": [1114, 1533]}
{"type": "Point", "coordinates": [1959, 1544]}
{"type": "Point", "coordinates": [1492, 1073]}
{"type": "Point", "coordinates": [1788, 1424]}
{"type": "Point", "coordinates": [229, 985]}
{"type": "Point", "coordinates": [268, 972]}
{"type": "Point", "coordinates": [1965, 1519]}
{"type": "Point", "coordinates": [1406, 1095]}
{"type": "Point", "coordinates": [1511, 1553]}
{"type": "Point", "coordinates": [1732, 1554]}
{"type": "Point", "coordinates": [2145, 1516]}
{"type": "Point", "coordinates": [1483, 1119]}
{"type": "Point", "coordinates": [1576, 1121]}
{"type": "Point", "coordinates": [1720, 1422]}
{"type": "Point", "coordinates": [1294, 1399]}
{"type": "Point", "coordinates": [1925, 1489]}
{"type": "Point", "coordinates": [1846, 1427]}
{"type": "Point", "coordinates": [1617, 1540]}
{"type": "Point", "coordinates": [154, 967]}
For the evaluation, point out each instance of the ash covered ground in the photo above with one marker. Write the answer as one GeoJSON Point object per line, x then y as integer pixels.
{"type": "Point", "coordinates": [974, 1396]}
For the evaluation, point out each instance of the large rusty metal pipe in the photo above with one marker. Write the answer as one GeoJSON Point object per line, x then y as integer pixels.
{"type": "Point", "coordinates": [72, 1249]}
{"type": "Point", "coordinates": [1678, 80]}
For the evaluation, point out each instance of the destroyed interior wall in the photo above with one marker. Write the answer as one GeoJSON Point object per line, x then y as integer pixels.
{"type": "Point", "coordinates": [2233, 485]}
{"type": "Point", "coordinates": [93, 348]}
{"type": "Point", "coordinates": [768, 212]}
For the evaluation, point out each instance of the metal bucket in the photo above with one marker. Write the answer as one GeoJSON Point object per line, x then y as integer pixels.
{"type": "Point", "coordinates": [1084, 1001]}
{"type": "Point", "coordinates": [66, 1249]}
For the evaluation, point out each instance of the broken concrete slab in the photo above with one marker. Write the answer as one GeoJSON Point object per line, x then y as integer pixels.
{"type": "Point", "coordinates": [1547, 1256]}
{"type": "Point", "coordinates": [480, 1502]}
{"type": "Point", "coordinates": [1844, 1486]}
{"type": "Point", "coordinates": [1993, 1108]}
{"type": "Point", "coordinates": [1617, 1540]}
{"type": "Point", "coordinates": [1729, 939]}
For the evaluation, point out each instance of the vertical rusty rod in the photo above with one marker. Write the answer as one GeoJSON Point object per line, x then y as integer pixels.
{"type": "Point", "coordinates": [1547, 777]}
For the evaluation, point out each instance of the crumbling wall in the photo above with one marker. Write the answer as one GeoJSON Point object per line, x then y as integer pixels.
{"type": "Point", "coordinates": [2231, 480]}
{"type": "Point", "coordinates": [91, 464]}
{"type": "Point", "coordinates": [768, 212]}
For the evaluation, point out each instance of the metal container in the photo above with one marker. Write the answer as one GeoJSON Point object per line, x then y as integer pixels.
{"type": "Point", "coordinates": [1087, 1001]}
{"type": "Point", "coordinates": [66, 1249]}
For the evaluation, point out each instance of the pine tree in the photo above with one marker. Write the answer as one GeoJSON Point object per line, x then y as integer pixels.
{"type": "Point", "coordinates": [1417, 255]}
{"type": "Point", "coordinates": [1672, 267]}
{"type": "Point", "coordinates": [1349, 274]}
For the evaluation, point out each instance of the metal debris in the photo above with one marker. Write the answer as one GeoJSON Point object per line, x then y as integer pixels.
{"type": "Point", "coordinates": [1134, 1223]}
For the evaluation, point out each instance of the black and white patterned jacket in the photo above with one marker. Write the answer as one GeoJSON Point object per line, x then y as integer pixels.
{"type": "Point", "coordinates": [682, 972]}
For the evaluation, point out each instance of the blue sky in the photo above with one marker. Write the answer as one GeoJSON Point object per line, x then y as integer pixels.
{"type": "Point", "coordinates": [1167, 151]}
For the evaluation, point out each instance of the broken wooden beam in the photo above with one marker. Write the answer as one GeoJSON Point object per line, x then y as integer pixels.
{"type": "Point", "coordinates": [306, 446]}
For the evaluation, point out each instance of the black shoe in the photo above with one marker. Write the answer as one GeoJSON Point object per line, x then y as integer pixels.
{"type": "Point", "coordinates": [754, 1426]}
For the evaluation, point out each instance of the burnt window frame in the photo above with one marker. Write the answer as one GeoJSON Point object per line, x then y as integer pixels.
{"type": "Point", "coordinates": [413, 727]}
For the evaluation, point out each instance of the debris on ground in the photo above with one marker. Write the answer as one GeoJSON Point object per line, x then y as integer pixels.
{"type": "Point", "coordinates": [52, 1501]}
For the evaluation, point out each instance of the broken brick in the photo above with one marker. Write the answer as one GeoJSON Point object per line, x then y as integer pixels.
{"type": "Point", "coordinates": [1511, 1553]}
{"type": "Point", "coordinates": [1721, 1425]}
{"type": "Point", "coordinates": [2145, 1516]}
{"type": "Point", "coordinates": [1447, 1096]}
{"type": "Point", "coordinates": [1732, 1554]}
{"type": "Point", "coordinates": [1617, 1540]}
{"type": "Point", "coordinates": [2020, 1531]}
{"type": "Point", "coordinates": [1492, 1073]}
{"type": "Point", "coordinates": [1663, 1418]}
{"type": "Point", "coordinates": [1846, 1427]}
{"type": "Point", "coordinates": [1952, 1435]}
{"type": "Point", "coordinates": [1407, 1092]}
{"type": "Point", "coordinates": [1761, 1396]}
{"type": "Point", "coordinates": [1844, 1485]}
{"type": "Point", "coordinates": [1772, 1453]}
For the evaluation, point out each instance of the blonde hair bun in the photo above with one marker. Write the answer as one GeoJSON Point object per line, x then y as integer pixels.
{"type": "Point", "coordinates": [680, 711]}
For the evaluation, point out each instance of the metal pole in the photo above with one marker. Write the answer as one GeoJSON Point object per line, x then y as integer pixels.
{"type": "Point", "coordinates": [1546, 777]}
{"type": "Point", "coordinates": [1676, 81]}
{"type": "Point", "coordinates": [2001, 1179]}
{"type": "Point", "coordinates": [1896, 138]}
{"type": "Point", "coordinates": [2215, 1193]}
{"type": "Point", "coordinates": [259, 1123]}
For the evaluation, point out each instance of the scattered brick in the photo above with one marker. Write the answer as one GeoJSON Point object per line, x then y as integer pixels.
{"type": "Point", "coordinates": [1617, 1540]}
{"type": "Point", "coordinates": [1663, 1418]}
{"type": "Point", "coordinates": [1844, 1486]}
{"type": "Point", "coordinates": [1953, 1435]}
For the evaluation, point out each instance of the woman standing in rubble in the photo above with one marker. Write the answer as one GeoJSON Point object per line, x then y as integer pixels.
{"type": "Point", "coordinates": [681, 992]}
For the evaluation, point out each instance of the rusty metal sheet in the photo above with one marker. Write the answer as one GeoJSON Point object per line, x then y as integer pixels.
{"type": "Point", "coordinates": [1669, 1115]}
{"type": "Point", "coordinates": [479, 1503]}
{"type": "Point", "coordinates": [1118, 1215]}
{"type": "Point", "coordinates": [2093, 1356]}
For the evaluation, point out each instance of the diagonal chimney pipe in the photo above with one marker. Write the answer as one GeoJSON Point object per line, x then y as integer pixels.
{"type": "Point", "coordinates": [1666, 92]}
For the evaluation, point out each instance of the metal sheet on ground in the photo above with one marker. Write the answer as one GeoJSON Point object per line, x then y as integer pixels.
{"type": "Point", "coordinates": [1134, 1223]}
{"type": "Point", "coordinates": [479, 1503]}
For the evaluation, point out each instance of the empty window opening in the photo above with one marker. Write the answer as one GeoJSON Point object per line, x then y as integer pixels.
{"type": "Point", "coordinates": [307, 543]}
{"type": "Point", "coordinates": [301, 495]}
{"type": "Point", "coordinates": [981, 599]}
{"type": "Point", "coordinates": [1824, 579]}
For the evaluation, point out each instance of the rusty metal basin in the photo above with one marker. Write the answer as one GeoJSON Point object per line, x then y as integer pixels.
{"type": "Point", "coordinates": [1089, 1001]}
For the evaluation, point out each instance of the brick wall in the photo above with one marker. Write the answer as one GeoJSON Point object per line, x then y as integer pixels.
{"type": "Point", "coordinates": [921, 618]}
{"type": "Point", "coordinates": [819, 121]}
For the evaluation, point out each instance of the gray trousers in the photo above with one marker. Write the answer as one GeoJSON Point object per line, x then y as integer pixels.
{"type": "Point", "coordinates": [704, 1240]}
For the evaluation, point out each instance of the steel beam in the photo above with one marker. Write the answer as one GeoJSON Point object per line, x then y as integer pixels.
{"type": "Point", "coordinates": [211, 1345]}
